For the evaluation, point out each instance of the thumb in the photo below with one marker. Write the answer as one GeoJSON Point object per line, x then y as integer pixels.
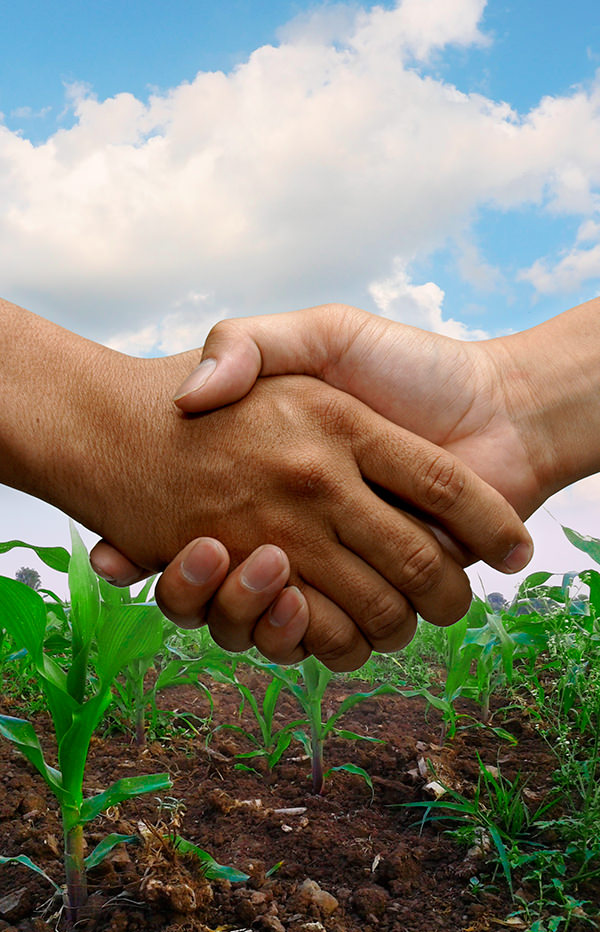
{"type": "Point", "coordinates": [237, 352]}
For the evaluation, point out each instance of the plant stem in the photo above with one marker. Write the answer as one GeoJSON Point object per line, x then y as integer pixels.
{"type": "Point", "coordinates": [316, 739]}
{"type": "Point", "coordinates": [139, 703]}
{"type": "Point", "coordinates": [76, 895]}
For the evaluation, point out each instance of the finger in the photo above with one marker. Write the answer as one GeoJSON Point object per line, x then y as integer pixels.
{"type": "Point", "coordinates": [115, 568]}
{"type": "Point", "coordinates": [411, 559]}
{"type": "Point", "coordinates": [278, 634]}
{"type": "Point", "coordinates": [190, 581]}
{"type": "Point", "coordinates": [332, 636]}
{"type": "Point", "coordinates": [245, 595]}
{"type": "Point", "coordinates": [384, 616]}
{"type": "Point", "coordinates": [237, 352]}
{"type": "Point", "coordinates": [441, 486]}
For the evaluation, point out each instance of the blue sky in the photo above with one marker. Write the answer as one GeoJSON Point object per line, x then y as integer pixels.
{"type": "Point", "coordinates": [435, 160]}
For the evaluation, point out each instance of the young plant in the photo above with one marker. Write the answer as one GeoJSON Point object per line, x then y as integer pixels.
{"type": "Point", "coordinates": [481, 652]}
{"type": "Point", "coordinates": [496, 815]}
{"type": "Point", "coordinates": [77, 693]}
{"type": "Point", "coordinates": [272, 742]}
{"type": "Point", "coordinates": [308, 683]}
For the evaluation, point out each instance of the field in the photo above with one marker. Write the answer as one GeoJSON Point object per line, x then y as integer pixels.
{"type": "Point", "coordinates": [452, 787]}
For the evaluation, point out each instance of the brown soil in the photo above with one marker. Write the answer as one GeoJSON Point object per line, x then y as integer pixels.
{"type": "Point", "coordinates": [349, 863]}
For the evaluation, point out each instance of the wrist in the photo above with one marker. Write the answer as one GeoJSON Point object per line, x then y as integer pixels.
{"type": "Point", "coordinates": [550, 377]}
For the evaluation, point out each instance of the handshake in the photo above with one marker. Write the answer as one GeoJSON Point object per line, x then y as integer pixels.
{"type": "Point", "coordinates": [329, 472]}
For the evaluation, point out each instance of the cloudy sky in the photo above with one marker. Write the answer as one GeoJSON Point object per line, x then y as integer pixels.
{"type": "Point", "coordinates": [165, 165]}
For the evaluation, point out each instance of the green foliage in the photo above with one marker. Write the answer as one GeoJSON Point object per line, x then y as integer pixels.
{"type": "Point", "coordinates": [497, 814]}
{"type": "Point", "coordinates": [77, 689]}
{"type": "Point", "coordinates": [308, 683]}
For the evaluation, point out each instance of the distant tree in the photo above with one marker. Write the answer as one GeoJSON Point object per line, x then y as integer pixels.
{"type": "Point", "coordinates": [497, 601]}
{"type": "Point", "coordinates": [29, 576]}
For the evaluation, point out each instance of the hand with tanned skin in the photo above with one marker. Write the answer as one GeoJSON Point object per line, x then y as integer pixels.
{"type": "Point", "coordinates": [522, 416]}
{"type": "Point", "coordinates": [295, 463]}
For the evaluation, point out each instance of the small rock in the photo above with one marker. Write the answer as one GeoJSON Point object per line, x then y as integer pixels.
{"type": "Point", "coordinates": [311, 895]}
{"type": "Point", "coordinates": [180, 897]}
{"type": "Point", "coordinates": [251, 904]}
{"type": "Point", "coordinates": [435, 789]}
{"type": "Point", "coordinates": [313, 927]}
{"type": "Point", "coordinates": [269, 924]}
{"type": "Point", "coordinates": [16, 905]}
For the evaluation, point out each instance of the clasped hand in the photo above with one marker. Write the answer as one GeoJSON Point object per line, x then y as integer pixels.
{"type": "Point", "coordinates": [371, 524]}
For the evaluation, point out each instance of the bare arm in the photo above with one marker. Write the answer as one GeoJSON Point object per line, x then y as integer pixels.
{"type": "Point", "coordinates": [95, 435]}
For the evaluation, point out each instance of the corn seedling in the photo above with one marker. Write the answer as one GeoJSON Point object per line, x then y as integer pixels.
{"type": "Point", "coordinates": [105, 637]}
{"type": "Point", "coordinates": [271, 742]}
{"type": "Point", "coordinates": [308, 683]}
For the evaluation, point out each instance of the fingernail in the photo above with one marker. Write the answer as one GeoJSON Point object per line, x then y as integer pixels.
{"type": "Point", "coordinates": [263, 568]}
{"type": "Point", "coordinates": [105, 576]}
{"type": "Point", "coordinates": [197, 378]}
{"type": "Point", "coordinates": [286, 607]}
{"type": "Point", "coordinates": [201, 562]}
{"type": "Point", "coordinates": [518, 558]}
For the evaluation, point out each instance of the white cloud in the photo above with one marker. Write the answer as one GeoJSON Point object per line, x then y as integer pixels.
{"type": "Point", "coordinates": [28, 113]}
{"type": "Point", "coordinates": [571, 270]}
{"type": "Point", "coordinates": [398, 298]}
{"type": "Point", "coordinates": [185, 326]}
{"type": "Point", "coordinates": [296, 178]}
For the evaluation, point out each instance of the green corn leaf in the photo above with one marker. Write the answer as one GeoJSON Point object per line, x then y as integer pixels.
{"type": "Point", "coordinates": [85, 594]}
{"type": "Point", "coordinates": [214, 871]}
{"type": "Point", "coordinates": [126, 788]}
{"type": "Point", "coordinates": [359, 771]}
{"type": "Point", "coordinates": [442, 705]}
{"type": "Point", "coordinates": [23, 615]}
{"type": "Point", "coordinates": [23, 735]}
{"type": "Point", "coordinates": [589, 545]}
{"type": "Point", "coordinates": [459, 674]}
{"type": "Point", "coordinates": [126, 633]}
{"type": "Point", "coordinates": [113, 595]}
{"type": "Point", "coordinates": [316, 677]}
{"type": "Point", "coordinates": [592, 579]}
{"type": "Point", "coordinates": [353, 736]}
{"type": "Point", "coordinates": [284, 738]}
{"type": "Point", "coordinates": [176, 672]}
{"type": "Point", "coordinates": [105, 846]}
{"type": "Point", "coordinates": [27, 862]}
{"type": "Point", "coordinates": [52, 595]}
{"type": "Point", "coordinates": [77, 675]}
{"type": "Point", "coordinates": [62, 706]}
{"type": "Point", "coordinates": [304, 740]}
{"type": "Point", "coordinates": [73, 749]}
{"type": "Point", "coordinates": [57, 558]}
{"type": "Point", "coordinates": [270, 700]}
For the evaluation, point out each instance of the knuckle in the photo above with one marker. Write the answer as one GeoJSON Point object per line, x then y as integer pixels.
{"type": "Point", "coordinates": [223, 329]}
{"type": "Point", "coordinates": [385, 617]}
{"type": "Point", "coordinates": [423, 570]}
{"type": "Point", "coordinates": [334, 413]}
{"type": "Point", "coordinates": [442, 483]}
{"type": "Point", "coordinates": [309, 474]}
{"type": "Point", "coordinates": [339, 651]}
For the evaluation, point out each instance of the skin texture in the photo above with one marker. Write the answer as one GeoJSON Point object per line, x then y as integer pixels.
{"type": "Point", "coordinates": [522, 413]}
{"type": "Point", "coordinates": [295, 463]}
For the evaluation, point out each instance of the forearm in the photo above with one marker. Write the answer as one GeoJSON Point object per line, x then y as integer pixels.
{"type": "Point", "coordinates": [551, 379]}
{"type": "Point", "coordinates": [69, 432]}
{"type": "Point", "coordinates": [45, 373]}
